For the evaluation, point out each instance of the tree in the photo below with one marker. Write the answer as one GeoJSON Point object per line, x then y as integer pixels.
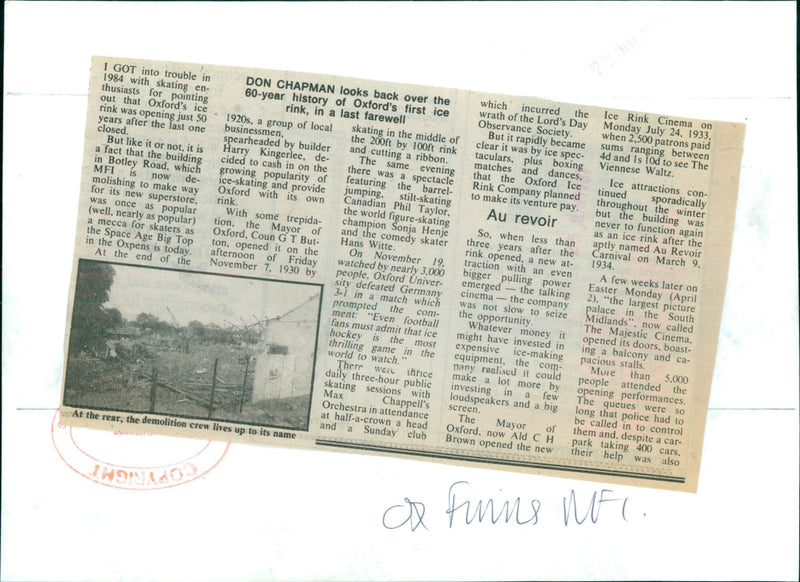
{"type": "Point", "coordinates": [89, 319]}
{"type": "Point", "coordinates": [196, 329]}
{"type": "Point", "coordinates": [147, 321]}
{"type": "Point", "coordinates": [114, 318]}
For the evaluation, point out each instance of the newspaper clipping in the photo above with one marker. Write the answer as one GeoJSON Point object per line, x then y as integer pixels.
{"type": "Point", "coordinates": [312, 261]}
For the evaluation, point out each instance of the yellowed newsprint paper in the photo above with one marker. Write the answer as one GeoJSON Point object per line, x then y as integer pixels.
{"type": "Point", "coordinates": [303, 260]}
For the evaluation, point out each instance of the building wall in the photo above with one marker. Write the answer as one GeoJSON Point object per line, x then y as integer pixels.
{"type": "Point", "coordinates": [286, 372]}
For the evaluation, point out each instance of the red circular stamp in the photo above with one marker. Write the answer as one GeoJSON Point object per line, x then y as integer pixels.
{"type": "Point", "coordinates": [138, 462]}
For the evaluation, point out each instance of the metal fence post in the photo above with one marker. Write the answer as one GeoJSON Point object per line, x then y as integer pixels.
{"type": "Point", "coordinates": [213, 389]}
{"type": "Point", "coordinates": [244, 382]}
{"type": "Point", "coordinates": [153, 391]}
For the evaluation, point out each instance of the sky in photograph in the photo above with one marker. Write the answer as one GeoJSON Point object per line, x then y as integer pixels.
{"type": "Point", "coordinates": [205, 298]}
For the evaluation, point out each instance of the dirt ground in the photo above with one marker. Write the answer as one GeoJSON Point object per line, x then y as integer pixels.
{"type": "Point", "coordinates": [124, 384]}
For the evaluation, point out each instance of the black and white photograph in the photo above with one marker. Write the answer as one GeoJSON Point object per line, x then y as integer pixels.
{"type": "Point", "coordinates": [194, 345]}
